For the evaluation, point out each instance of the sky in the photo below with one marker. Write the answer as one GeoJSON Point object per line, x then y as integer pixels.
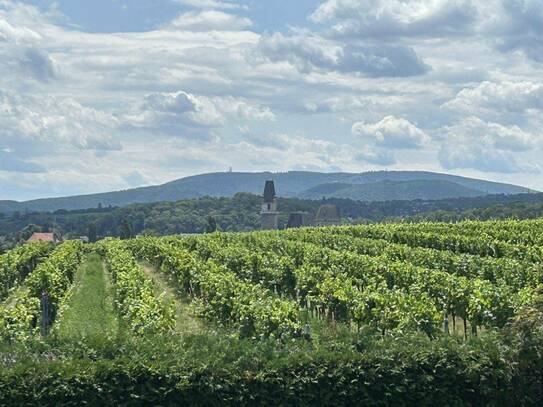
{"type": "Point", "coordinates": [112, 94]}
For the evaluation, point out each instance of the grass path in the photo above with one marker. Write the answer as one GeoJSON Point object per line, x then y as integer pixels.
{"type": "Point", "coordinates": [90, 310]}
{"type": "Point", "coordinates": [185, 322]}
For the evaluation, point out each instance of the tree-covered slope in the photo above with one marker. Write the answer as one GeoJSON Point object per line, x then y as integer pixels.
{"type": "Point", "coordinates": [392, 190]}
{"type": "Point", "coordinates": [288, 184]}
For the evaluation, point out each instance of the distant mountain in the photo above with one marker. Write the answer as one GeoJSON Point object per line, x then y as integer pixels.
{"type": "Point", "coordinates": [368, 186]}
{"type": "Point", "coordinates": [391, 190]}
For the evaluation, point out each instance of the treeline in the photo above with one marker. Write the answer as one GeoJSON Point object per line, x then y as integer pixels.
{"type": "Point", "coordinates": [518, 210]}
{"type": "Point", "coordinates": [241, 213]}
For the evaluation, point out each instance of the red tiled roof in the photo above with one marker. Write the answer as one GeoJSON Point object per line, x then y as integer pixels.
{"type": "Point", "coordinates": [43, 237]}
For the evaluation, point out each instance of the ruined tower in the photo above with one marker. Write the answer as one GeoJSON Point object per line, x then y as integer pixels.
{"type": "Point", "coordinates": [269, 215]}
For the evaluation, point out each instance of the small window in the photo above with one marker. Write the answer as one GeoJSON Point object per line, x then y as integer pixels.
{"type": "Point", "coordinates": [269, 207]}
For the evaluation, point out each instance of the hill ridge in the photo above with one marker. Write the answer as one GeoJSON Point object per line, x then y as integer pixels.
{"type": "Point", "coordinates": [288, 184]}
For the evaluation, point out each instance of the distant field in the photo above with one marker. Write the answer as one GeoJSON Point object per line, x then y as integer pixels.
{"type": "Point", "coordinates": [386, 314]}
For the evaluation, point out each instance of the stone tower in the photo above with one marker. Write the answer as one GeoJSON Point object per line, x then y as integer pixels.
{"type": "Point", "coordinates": [269, 215]}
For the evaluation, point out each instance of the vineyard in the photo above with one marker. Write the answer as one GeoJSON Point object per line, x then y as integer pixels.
{"type": "Point", "coordinates": [383, 314]}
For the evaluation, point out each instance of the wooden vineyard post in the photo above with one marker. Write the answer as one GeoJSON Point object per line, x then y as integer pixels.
{"type": "Point", "coordinates": [44, 305]}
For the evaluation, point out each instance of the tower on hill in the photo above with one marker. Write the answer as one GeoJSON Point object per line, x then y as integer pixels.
{"type": "Point", "coordinates": [269, 215]}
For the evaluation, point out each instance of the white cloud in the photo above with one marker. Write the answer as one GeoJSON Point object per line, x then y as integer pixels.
{"type": "Point", "coordinates": [211, 20]}
{"type": "Point", "coordinates": [453, 157]}
{"type": "Point", "coordinates": [30, 123]}
{"type": "Point", "coordinates": [475, 131]}
{"type": "Point", "coordinates": [39, 65]}
{"type": "Point", "coordinates": [179, 98]}
{"type": "Point", "coordinates": [390, 132]}
{"type": "Point", "coordinates": [397, 17]}
{"type": "Point", "coordinates": [489, 147]}
{"type": "Point", "coordinates": [308, 51]}
{"type": "Point", "coordinates": [178, 114]}
{"type": "Point", "coordinates": [498, 97]}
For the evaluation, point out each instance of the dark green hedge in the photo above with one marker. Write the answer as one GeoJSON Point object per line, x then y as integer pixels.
{"type": "Point", "coordinates": [501, 368]}
{"type": "Point", "coordinates": [403, 372]}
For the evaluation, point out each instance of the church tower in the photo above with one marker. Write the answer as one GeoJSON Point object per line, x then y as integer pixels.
{"type": "Point", "coordinates": [269, 215]}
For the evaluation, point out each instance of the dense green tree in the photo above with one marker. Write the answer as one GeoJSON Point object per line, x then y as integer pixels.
{"type": "Point", "coordinates": [28, 231]}
{"type": "Point", "coordinates": [92, 235]}
{"type": "Point", "coordinates": [211, 224]}
{"type": "Point", "coordinates": [125, 230]}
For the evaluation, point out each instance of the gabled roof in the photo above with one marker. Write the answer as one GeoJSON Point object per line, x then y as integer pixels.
{"type": "Point", "coordinates": [42, 237]}
{"type": "Point", "coordinates": [269, 191]}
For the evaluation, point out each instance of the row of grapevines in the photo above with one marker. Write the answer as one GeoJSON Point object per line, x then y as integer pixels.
{"type": "Point", "coordinates": [334, 286]}
{"type": "Point", "coordinates": [477, 300]}
{"type": "Point", "coordinates": [526, 232]}
{"type": "Point", "coordinates": [20, 314]}
{"type": "Point", "coordinates": [457, 243]}
{"type": "Point", "coordinates": [16, 264]}
{"type": "Point", "coordinates": [136, 301]}
{"type": "Point", "coordinates": [219, 294]}
{"type": "Point", "coordinates": [501, 271]}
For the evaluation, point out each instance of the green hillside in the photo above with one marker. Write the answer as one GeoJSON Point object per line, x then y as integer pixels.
{"type": "Point", "coordinates": [392, 190]}
{"type": "Point", "coordinates": [288, 184]}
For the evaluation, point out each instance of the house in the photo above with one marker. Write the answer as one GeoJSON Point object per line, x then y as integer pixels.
{"type": "Point", "coordinates": [42, 237]}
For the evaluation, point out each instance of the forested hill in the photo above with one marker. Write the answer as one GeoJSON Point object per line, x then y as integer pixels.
{"type": "Point", "coordinates": [368, 186]}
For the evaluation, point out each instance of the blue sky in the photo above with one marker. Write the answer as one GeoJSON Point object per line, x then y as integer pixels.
{"type": "Point", "coordinates": [111, 94]}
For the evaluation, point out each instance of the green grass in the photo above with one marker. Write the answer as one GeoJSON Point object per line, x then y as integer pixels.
{"type": "Point", "coordinates": [185, 322]}
{"type": "Point", "coordinates": [90, 311]}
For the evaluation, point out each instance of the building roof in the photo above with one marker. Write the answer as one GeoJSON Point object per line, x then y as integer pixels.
{"type": "Point", "coordinates": [328, 213]}
{"type": "Point", "coordinates": [42, 237]}
{"type": "Point", "coordinates": [269, 191]}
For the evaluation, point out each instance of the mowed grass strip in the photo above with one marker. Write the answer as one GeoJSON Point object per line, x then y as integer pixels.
{"type": "Point", "coordinates": [90, 311]}
{"type": "Point", "coordinates": [185, 322]}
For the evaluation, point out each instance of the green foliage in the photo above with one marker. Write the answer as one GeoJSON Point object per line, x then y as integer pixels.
{"type": "Point", "coordinates": [18, 263]}
{"type": "Point", "coordinates": [19, 315]}
{"type": "Point", "coordinates": [331, 316]}
{"type": "Point", "coordinates": [135, 299]}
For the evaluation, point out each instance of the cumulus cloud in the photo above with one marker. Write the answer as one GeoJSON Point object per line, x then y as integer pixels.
{"type": "Point", "coordinates": [519, 27]}
{"type": "Point", "coordinates": [475, 131]}
{"type": "Point", "coordinates": [243, 110]}
{"type": "Point", "coordinates": [31, 123]}
{"type": "Point", "coordinates": [385, 18]}
{"type": "Point", "coordinates": [209, 20]}
{"type": "Point", "coordinates": [178, 114]}
{"type": "Point", "coordinates": [193, 88]}
{"type": "Point", "coordinates": [490, 147]}
{"type": "Point", "coordinates": [479, 158]}
{"type": "Point", "coordinates": [308, 51]}
{"type": "Point", "coordinates": [390, 132]}
{"type": "Point", "coordinates": [506, 96]}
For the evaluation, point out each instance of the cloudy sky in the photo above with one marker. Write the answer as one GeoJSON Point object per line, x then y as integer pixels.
{"type": "Point", "coordinates": [111, 94]}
